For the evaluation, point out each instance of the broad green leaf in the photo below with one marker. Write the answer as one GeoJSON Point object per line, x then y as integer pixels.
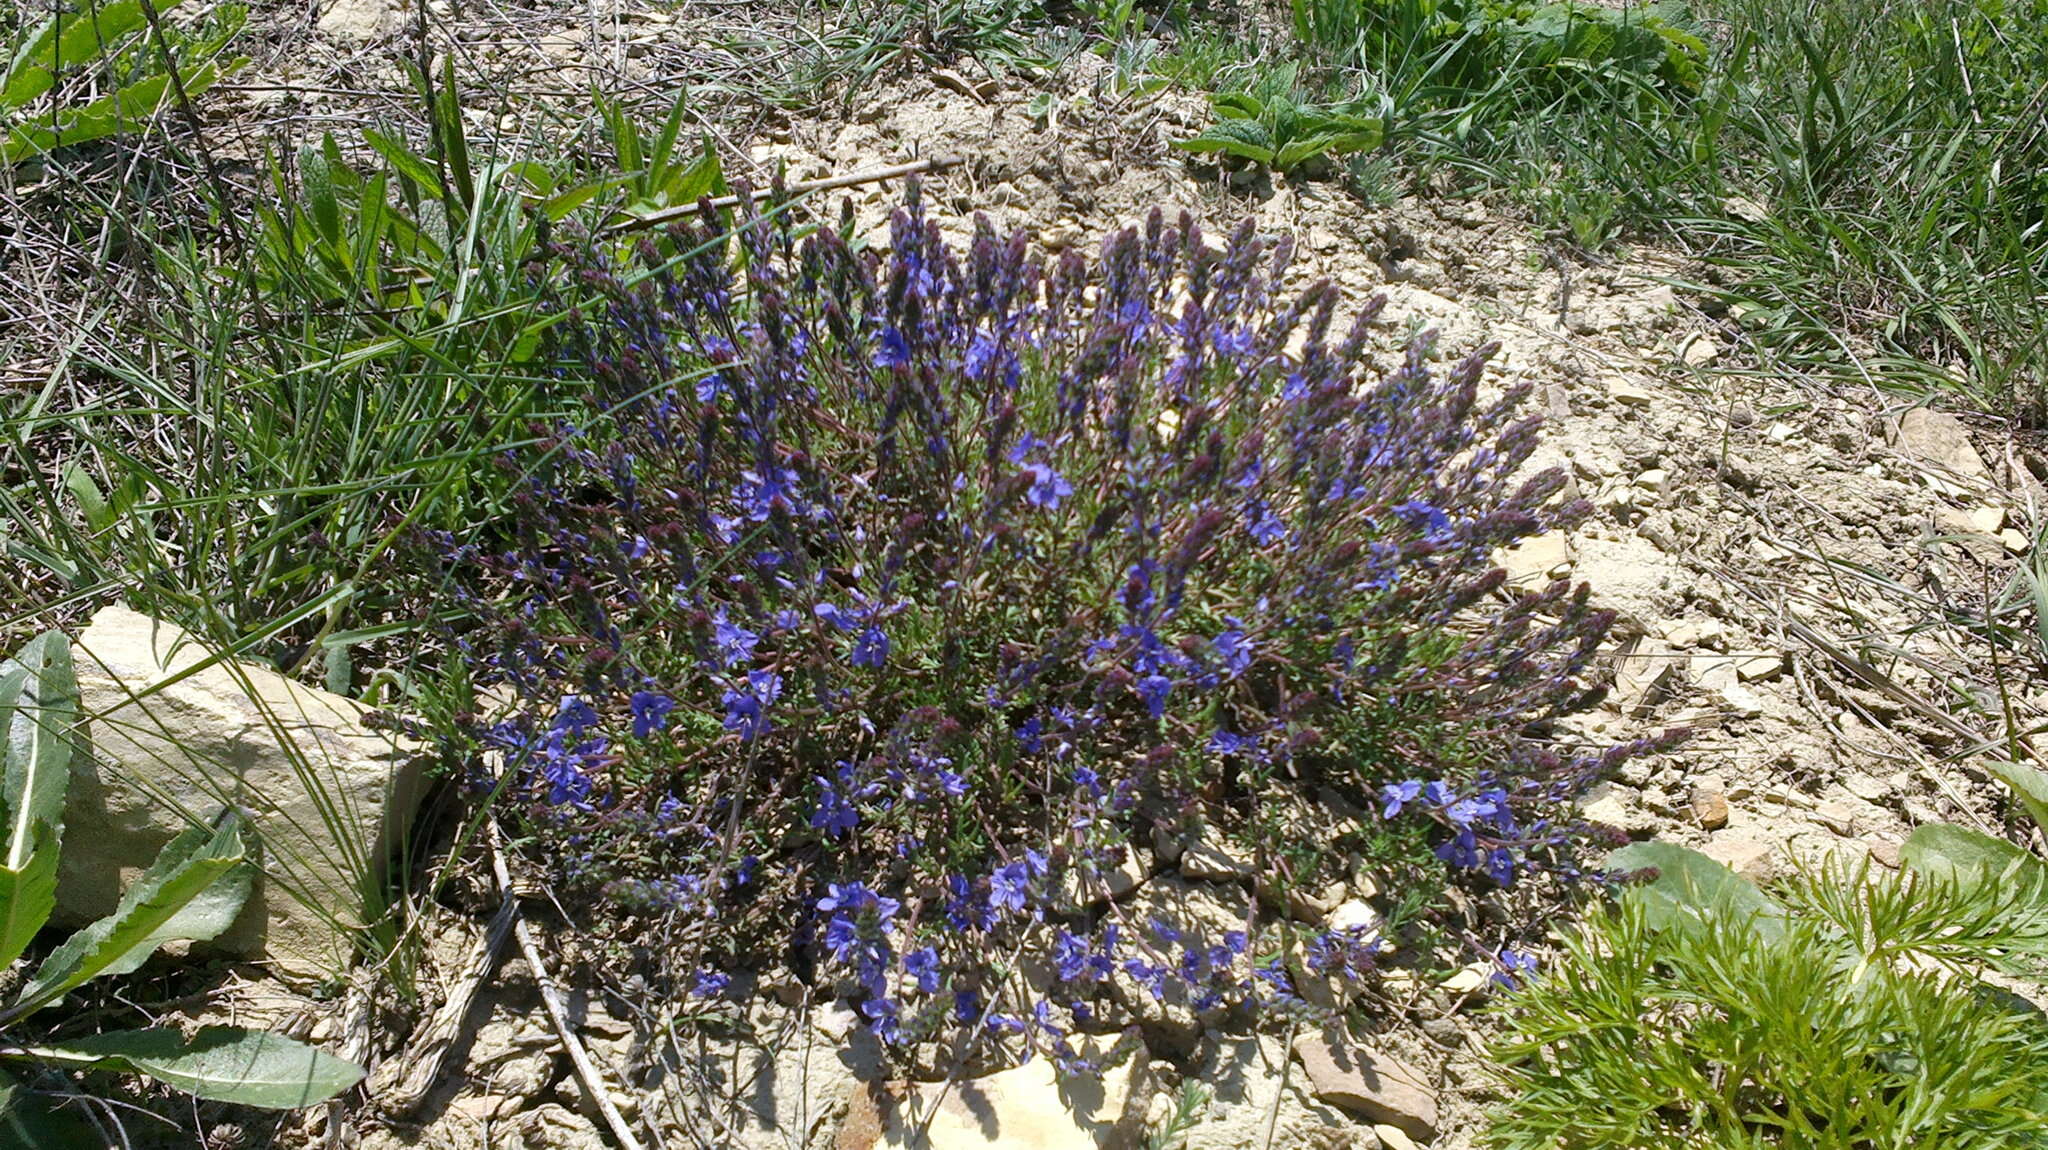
{"type": "Point", "coordinates": [37, 746]}
{"type": "Point", "coordinates": [91, 503]}
{"type": "Point", "coordinates": [704, 177]}
{"type": "Point", "coordinates": [31, 1121]}
{"type": "Point", "coordinates": [1245, 139]}
{"type": "Point", "coordinates": [1949, 851]}
{"type": "Point", "coordinates": [152, 911]}
{"type": "Point", "coordinates": [27, 896]}
{"type": "Point", "coordinates": [2028, 784]}
{"type": "Point", "coordinates": [1690, 888]}
{"type": "Point", "coordinates": [222, 1063]}
{"type": "Point", "coordinates": [325, 207]}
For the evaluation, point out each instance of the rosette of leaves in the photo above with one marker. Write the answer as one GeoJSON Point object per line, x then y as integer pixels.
{"type": "Point", "coordinates": [192, 892]}
{"type": "Point", "coordinates": [1272, 128]}
{"type": "Point", "coordinates": [876, 610]}
{"type": "Point", "coordinates": [1844, 1009]}
{"type": "Point", "coordinates": [105, 43]}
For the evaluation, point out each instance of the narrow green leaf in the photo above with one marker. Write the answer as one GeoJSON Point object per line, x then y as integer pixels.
{"type": "Point", "coordinates": [704, 177]}
{"type": "Point", "coordinates": [415, 170]}
{"type": "Point", "coordinates": [221, 1063]}
{"type": "Point", "coordinates": [1690, 888]}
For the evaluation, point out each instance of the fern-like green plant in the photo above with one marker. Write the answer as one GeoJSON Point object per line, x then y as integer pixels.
{"type": "Point", "coordinates": [1271, 127]}
{"type": "Point", "coordinates": [192, 892]}
{"type": "Point", "coordinates": [1844, 1010]}
{"type": "Point", "coordinates": [108, 38]}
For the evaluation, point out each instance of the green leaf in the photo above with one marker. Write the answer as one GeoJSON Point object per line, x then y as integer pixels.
{"type": "Point", "coordinates": [174, 899]}
{"type": "Point", "coordinates": [91, 503]}
{"type": "Point", "coordinates": [31, 1121]}
{"type": "Point", "coordinates": [38, 743]}
{"type": "Point", "coordinates": [704, 177]}
{"type": "Point", "coordinates": [27, 896]}
{"type": "Point", "coordinates": [2028, 784]}
{"type": "Point", "coordinates": [416, 171]}
{"type": "Point", "coordinates": [1949, 851]}
{"type": "Point", "coordinates": [1690, 888]}
{"type": "Point", "coordinates": [318, 177]}
{"type": "Point", "coordinates": [1245, 139]}
{"type": "Point", "coordinates": [221, 1063]}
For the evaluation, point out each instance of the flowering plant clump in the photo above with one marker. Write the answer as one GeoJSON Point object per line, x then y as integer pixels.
{"type": "Point", "coordinates": [874, 607]}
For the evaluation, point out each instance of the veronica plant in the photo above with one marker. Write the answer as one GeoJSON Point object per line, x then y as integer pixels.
{"type": "Point", "coordinates": [876, 606]}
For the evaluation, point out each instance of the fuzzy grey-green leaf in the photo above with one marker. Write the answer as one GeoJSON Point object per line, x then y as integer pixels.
{"type": "Point", "coordinates": [222, 1063]}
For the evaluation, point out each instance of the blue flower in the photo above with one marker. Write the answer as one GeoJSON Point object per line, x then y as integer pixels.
{"type": "Point", "coordinates": [1398, 795]}
{"type": "Point", "coordinates": [746, 711]}
{"type": "Point", "coordinates": [1009, 886]}
{"type": "Point", "coordinates": [1234, 649]}
{"type": "Point", "coordinates": [1266, 527]}
{"type": "Point", "coordinates": [1434, 524]}
{"type": "Point", "coordinates": [1153, 690]}
{"type": "Point", "coordinates": [871, 649]}
{"type": "Point", "coordinates": [574, 716]}
{"type": "Point", "coordinates": [923, 967]}
{"type": "Point", "coordinates": [834, 816]}
{"type": "Point", "coordinates": [650, 713]}
{"type": "Point", "coordinates": [710, 983]}
{"type": "Point", "coordinates": [732, 642]}
{"type": "Point", "coordinates": [883, 1018]}
{"type": "Point", "coordinates": [1513, 966]}
{"type": "Point", "coordinates": [894, 350]}
{"type": "Point", "coordinates": [1048, 487]}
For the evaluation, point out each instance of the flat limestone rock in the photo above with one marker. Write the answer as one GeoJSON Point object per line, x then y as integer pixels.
{"type": "Point", "coordinates": [1026, 1108]}
{"type": "Point", "coordinates": [1373, 1085]}
{"type": "Point", "coordinates": [325, 797]}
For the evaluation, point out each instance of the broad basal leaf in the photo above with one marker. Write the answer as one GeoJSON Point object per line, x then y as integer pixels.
{"type": "Point", "coordinates": [37, 745]}
{"type": "Point", "coordinates": [1949, 851]}
{"type": "Point", "coordinates": [223, 1063]}
{"type": "Point", "coordinates": [152, 911]}
{"type": "Point", "coordinates": [2028, 784]}
{"type": "Point", "coordinates": [1691, 888]}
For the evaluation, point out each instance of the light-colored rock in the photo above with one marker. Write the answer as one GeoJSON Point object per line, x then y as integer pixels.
{"type": "Point", "coordinates": [1259, 1103]}
{"type": "Point", "coordinates": [1940, 439]}
{"type": "Point", "coordinates": [1699, 350]}
{"type": "Point", "coordinates": [1369, 1083]}
{"type": "Point", "coordinates": [1627, 392]}
{"type": "Point", "coordinates": [2015, 541]}
{"type": "Point", "coordinates": [1615, 805]}
{"type": "Point", "coordinates": [1025, 1108]}
{"type": "Point", "coordinates": [1760, 669]}
{"type": "Point", "coordinates": [360, 22]}
{"type": "Point", "coordinates": [1208, 860]}
{"type": "Point", "coordinates": [1393, 1138]}
{"type": "Point", "coordinates": [1885, 853]}
{"type": "Point", "coordinates": [1356, 914]}
{"type": "Point", "coordinates": [1536, 561]}
{"type": "Point", "coordinates": [1837, 817]}
{"type": "Point", "coordinates": [1748, 857]}
{"type": "Point", "coordinates": [1709, 808]}
{"type": "Point", "coordinates": [325, 797]}
{"type": "Point", "coordinates": [1644, 678]}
